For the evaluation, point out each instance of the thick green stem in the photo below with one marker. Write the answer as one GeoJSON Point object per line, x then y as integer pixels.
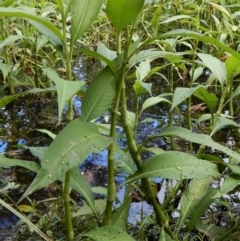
{"type": "Point", "coordinates": [66, 199]}
{"type": "Point", "coordinates": [66, 192]}
{"type": "Point", "coordinates": [171, 99]}
{"type": "Point", "coordinates": [111, 181]}
{"type": "Point", "coordinates": [136, 117]}
{"type": "Point", "coordinates": [161, 218]}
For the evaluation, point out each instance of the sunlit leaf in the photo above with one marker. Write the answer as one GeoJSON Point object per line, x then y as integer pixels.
{"type": "Point", "coordinates": [69, 149]}
{"type": "Point", "coordinates": [152, 101]}
{"type": "Point", "coordinates": [122, 12]}
{"type": "Point", "coordinates": [181, 94]}
{"type": "Point", "coordinates": [84, 13]}
{"type": "Point", "coordinates": [215, 65]}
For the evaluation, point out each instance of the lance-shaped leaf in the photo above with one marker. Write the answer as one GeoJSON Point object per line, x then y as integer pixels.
{"type": "Point", "coordinates": [84, 13]}
{"type": "Point", "coordinates": [210, 99]}
{"type": "Point", "coordinates": [181, 94]}
{"type": "Point", "coordinates": [196, 189]}
{"type": "Point", "coordinates": [232, 67]}
{"type": "Point", "coordinates": [15, 12]}
{"type": "Point", "coordinates": [122, 12]}
{"type": "Point", "coordinates": [198, 138]}
{"type": "Point", "coordinates": [69, 149]}
{"type": "Point", "coordinates": [215, 65]}
{"type": "Point", "coordinates": [99, 95]}
{"type": "Point", "coordinates": [7, 162]}
{"type": "Point", "coordinates": [108, 233]}
{"type": "Point", "coordinates": [65, 89]}
{"type": "Point", "coordinates": [175, 165]}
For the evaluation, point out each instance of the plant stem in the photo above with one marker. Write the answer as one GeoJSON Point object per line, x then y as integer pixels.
{"type": "Point", "coordinates": [111, 190]}
{"type": "Point", "coordinates": [161, 218]}
{"type": "Point", "coordinates": [66, 199]}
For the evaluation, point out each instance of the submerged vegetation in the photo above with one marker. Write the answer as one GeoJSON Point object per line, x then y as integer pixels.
{"type": "Point", "coordinates": [190, 46]}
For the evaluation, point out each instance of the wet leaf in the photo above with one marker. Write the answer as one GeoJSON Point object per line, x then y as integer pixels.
{"type": "Point", "coordinates": [83, 14]}
{"type": "Point", "coordinates": [69, 149]}
{"type": "Point", "coordinates": [65, 89]}
{"type": "Point", "coordinates": [122, 12]}
{"type": "Point", "coordinates": [99, 95]}
{"type": "Point", "coordinates": [108, 233]}
{"type": "Point", "coordinates": [175, 165]}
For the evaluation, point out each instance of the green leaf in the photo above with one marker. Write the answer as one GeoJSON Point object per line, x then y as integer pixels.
{"type": "Point", "coordinates": [5, 68]}
{"type": "Point", "coordinates": [153, 54]}
{"type": "Point", "coordinates": [7, 3]}
{"type": "Point", "coordinates": [7, 162]}
{"type": "Point", "coordinates": [234, 94]}
{"type": "Point", "coordinates": [196, 189]}
{"type": "Point", "coordinates": [122, 12]}
{"type": "Point", "coordinates": [212, 231]}
{"type": "Point", "coordinates": [209, 99]}
{"type": "Point", "coordinates": [120, 216]}
{"type": "Point", "coordinates": [175, 18]}
{"type": "Point", "coordinates": [197, 73]}
{"type": "Point", "coordinates": [195, 35]}
{"type": "Point", "coordinates": [215, 65]}
{"type": "Point", "coordinates": [99, 95]}
{"type": "Point", "coordinates": [69, 149]}
{"type": "Point", "coordinates": [107, 53]}
{"type": "Point", "coordinates": [49, 133]}
{"type": "Point", "coordinates": [15, 12]}
{"type": "Point", "coordinates": [80, 185]}
{"type": "Point", "coordinates": [108, 233]}
{"type": "Point", "coordinates": [232, 67]}
{"type": "Point", "coordinates": [229, 184]}
{"type": "Point", "coordinates": [37, 151]}
{"type": "Point", "coordinates": [198, 138]}
{"type": "Point", "coordinates": [175, 165]}
{"type": "Point", "coordinates": [164, 236]}
{"type": "Point", "coordinates": [84, 13]}
{"type": "Point", "coordinates": [101, 57]}
{"type": "Point", "coordinates": [10, 40]}
{"type": "Point", "coordinates": [181, 94]}
{"type": "Point", "coordinates": [41, 41]}
{"type": "Point", "coordinates": [152, 101]}
{"type": "Point", "coordinates": [65, 89]}
{"type": "Point", "coordinates": [202, 206]}
{"type": "Point", "coordinates": [221, 123]}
